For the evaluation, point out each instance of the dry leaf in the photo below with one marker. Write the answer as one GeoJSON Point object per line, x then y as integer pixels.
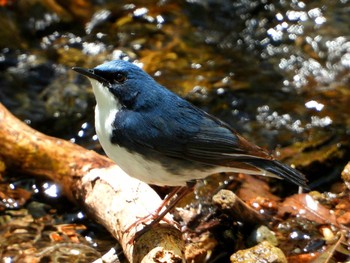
{"type": "Point", "coordinates": [303, 205]}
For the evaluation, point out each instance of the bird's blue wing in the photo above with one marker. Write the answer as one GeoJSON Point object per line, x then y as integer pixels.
{"type": "Point", "coordinates": [183, 132]}
{"type": "Point", "coordinates": [192, 134]}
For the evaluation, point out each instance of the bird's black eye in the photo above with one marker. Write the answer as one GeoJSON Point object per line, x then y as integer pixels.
{"type": "Point", "coordinates": [119, 77]}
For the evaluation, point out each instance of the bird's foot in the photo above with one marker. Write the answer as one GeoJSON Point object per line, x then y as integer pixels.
{"type": "Point", "coordinates": [168, 203]}
{"type": "Point", "coordinates": [153, 220]}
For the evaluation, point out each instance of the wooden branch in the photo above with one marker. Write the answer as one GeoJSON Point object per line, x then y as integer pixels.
{"type": "Point", "coordinates": [108, 194]}
{"type": "Point", "coordinates": [230, 202]}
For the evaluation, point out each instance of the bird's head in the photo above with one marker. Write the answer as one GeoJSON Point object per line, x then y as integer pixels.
{"type": "Point", "coordinates": [120, 82]}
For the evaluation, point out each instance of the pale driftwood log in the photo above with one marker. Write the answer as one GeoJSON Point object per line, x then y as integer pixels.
{"type": "Point", "coordinates": [110, 196]}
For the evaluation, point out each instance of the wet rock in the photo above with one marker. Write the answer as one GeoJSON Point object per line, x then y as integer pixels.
{"type": "Point", "coordinates": [345, 175]}
{"type": "Point", "coordinates": [200, 248]}
{"type": "Point", "coordinates": [261, 234]}
{"type": "Point", "coordinates": [262, 253]}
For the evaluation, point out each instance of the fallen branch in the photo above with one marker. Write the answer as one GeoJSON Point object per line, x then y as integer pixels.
{"type": "Point", "coordinates": [230, 202]}
{"type": "Point", "coordinates": [108, 194]}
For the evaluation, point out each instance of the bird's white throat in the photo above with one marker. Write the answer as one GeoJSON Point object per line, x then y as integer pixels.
{"type": "Point", "coordinates": [104, 98]}
{"type": "Point", "coordinates": [107, 107]}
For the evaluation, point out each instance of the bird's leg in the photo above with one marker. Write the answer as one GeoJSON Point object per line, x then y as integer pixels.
{"type": "Point", "coordinates": [181, 192]}
{"type": "Point", "coordinates": [157, 211]}
{"type": "Point", "coordinates": [167, 200]}
{"type": "Point", "coordinates": [157, 215]}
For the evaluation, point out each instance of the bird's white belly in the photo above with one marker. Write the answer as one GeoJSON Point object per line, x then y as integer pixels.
{"type": "Point", "coordinates": [136, 166]}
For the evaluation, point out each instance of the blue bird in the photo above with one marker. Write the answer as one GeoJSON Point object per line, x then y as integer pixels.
{"type": "Point", "coordinates": [159, 138]}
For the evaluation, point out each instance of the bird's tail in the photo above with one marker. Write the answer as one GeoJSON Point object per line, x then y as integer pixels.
{"type": "Point", "coordinates": [280, 170]}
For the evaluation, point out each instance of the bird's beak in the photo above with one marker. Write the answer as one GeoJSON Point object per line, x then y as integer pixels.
{"type": "Point", "coordinates": [90, 74]}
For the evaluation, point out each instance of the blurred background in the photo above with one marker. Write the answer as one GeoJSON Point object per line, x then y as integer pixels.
{"type": "Point", "coordinates": [277, 71]}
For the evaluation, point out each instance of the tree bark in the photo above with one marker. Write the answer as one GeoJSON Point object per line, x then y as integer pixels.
{"type": "Point", "coordinates": [108, 194]}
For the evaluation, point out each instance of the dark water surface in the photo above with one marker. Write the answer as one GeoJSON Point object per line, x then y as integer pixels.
{"type": "Point", "coordinates": [274, 70]}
